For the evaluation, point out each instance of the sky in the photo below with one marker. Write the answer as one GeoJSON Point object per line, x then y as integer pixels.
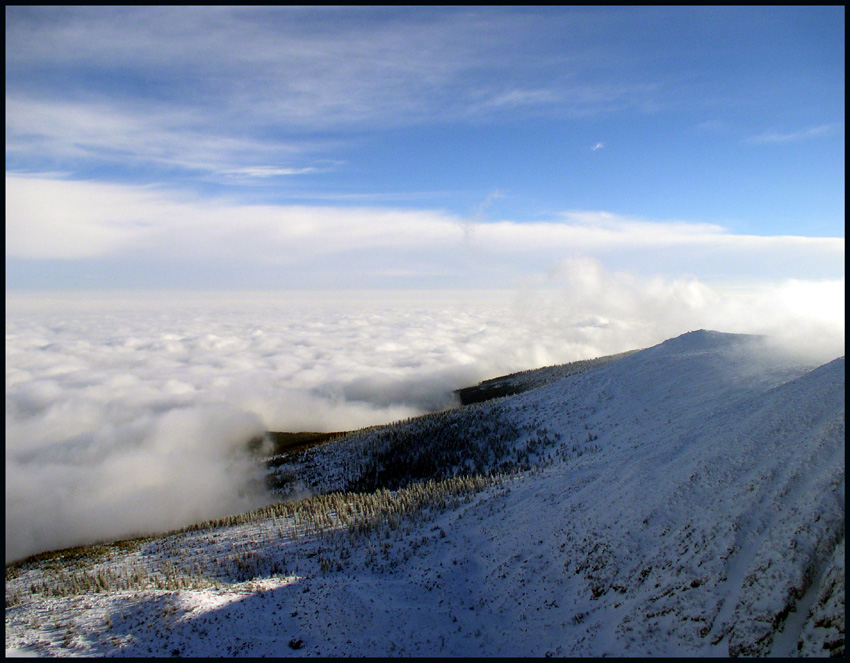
{"type": "Point", "coordinates": [216, 148]}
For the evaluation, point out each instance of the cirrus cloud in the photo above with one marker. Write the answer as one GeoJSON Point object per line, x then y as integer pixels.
{"type": "Point", "coordinates": [803, 134]}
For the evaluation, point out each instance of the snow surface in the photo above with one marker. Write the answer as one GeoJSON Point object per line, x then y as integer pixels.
{"type": "Point", "coordinates": [689, 501]}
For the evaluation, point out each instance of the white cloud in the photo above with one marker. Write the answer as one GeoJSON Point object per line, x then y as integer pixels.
{"type": "Point", "coordinates": [268, 171]}
{"type": "Point", "coordinates": [808, 315]}
{"type": "Point", "coordinates": [142, 472]}
{"type": "Point", "coordinates": [62, 219]}
{"type": "Point", "coordinates": [521, 97]}
{"type": "Point", "coordinates": [803, 134]}
{"type": "Point", "coordinates": [135, 133]}
{"type": "Point", "coordinates": [49, 219]}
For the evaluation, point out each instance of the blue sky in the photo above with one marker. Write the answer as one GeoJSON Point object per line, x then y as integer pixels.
{"type": "Point", "coordinates": [334, 148]}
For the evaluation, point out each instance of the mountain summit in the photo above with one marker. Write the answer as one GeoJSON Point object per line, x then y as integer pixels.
{"type": "Point", "coordinates": [684, 500]}
{"type": "Point", "coordinates": [703, 339]}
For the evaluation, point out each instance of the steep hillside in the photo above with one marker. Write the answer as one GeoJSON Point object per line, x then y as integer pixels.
{"type": "Point", "coordinates": [687, 499]}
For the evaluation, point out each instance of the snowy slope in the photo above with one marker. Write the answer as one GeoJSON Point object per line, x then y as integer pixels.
{"type": "Point", "coordinates": [685, 500]}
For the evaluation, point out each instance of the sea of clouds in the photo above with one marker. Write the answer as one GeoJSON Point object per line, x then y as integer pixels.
{"type": "Point", "coordinates": [129, 413]}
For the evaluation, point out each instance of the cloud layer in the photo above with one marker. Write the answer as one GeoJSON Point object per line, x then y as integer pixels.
{"type": "Point", "coordinates": [127, 413]}
{"type": "Point", "coordinates": [335, 246]}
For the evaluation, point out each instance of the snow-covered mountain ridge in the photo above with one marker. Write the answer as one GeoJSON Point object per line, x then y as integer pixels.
{"type": "Point", "coordinates": [517, 383]}
{"type": "Point", "coordinates": [687, 499]}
